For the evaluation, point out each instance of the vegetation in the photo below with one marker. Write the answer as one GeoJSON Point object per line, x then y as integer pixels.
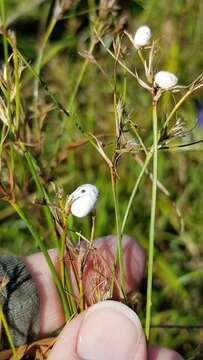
{"type": "Point", "coordinates": [73, 110]}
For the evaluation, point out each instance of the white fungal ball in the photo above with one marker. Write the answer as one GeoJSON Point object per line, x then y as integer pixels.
{"type": "Point", "coordinates": [165, 80]}
{"type": "Point", "coordinates": [142, 36]}
{"type": "Point", "coordinates": [83, 200]}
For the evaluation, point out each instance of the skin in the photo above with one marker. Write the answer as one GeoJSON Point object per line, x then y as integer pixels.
{"type": "Point", "coordinates": [107, 330]}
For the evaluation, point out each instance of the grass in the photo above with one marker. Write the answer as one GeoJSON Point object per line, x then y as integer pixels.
{"type": "Point", "coordinates": [80, 95]}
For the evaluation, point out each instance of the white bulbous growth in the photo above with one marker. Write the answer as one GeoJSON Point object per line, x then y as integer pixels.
{"type": "Point", "coordinates": [83, 200]}
{"type": "Point", "coordinates": [142, 36]}
{"type": "Point", "coordinates": [165, 80]}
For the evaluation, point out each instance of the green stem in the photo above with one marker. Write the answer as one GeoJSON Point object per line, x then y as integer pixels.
{"type": "Point", "coordinates": [6, 92]}
{"type": "Point", "coordinates": [39, 62]}
{"type": "Point", "coordinates": [6, 59]}
{"type": "Point", "coordinates": [62, 250]}
{"type": "Point", "coordinates": [152, 223]}
{"type": "Point", "coordinates": [176, 107]}
{"type": "Point", "coordinates": [91, 7]}
{"type": "Point", "coordinates": [144, 167]}
{"type": "Point", "coordinates": [3, 131]}
{"type": "Point", "coordinates": [92, 229]}
{"type": "Point", "coordinates": [70, 296]}
{"type": "Point", "coordinates": [81, 75]}
{"type": "Point", "coordinates": [124, 87]}
{"type": "Point", "coordinates": [42, 193]}
{"type": "Point", "coordinates": [65, 277]}
{"type": "Point", "coordinates": [17, 85]}
{"type": "Point", "coordinates": [141, 57]}
{"type": "Point", "coordinates": [119, 235]}
{"type": "Point", "coordinates": [8, 334]}
{"type": "Point", "coordinates": [43, 248]}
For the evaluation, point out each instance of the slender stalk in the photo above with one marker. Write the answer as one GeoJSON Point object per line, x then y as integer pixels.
{"type": "Point", "coordinates": [43, 248]}
{"type": "Point", "coordinates": [7, 92]}
{"type": "Point", "coordinates": [139, 138]}
{"type": "Point", "coordinates": [8, 334]}
{"type": "Point", "coordinates": [39, 62]}
{"type": "Point", "coordinates": [70, 296]}
{"type": "Point", "coordinates": [80, 76]}
{"type": "Point", "coordinates": [144, 167]}
{"type": "Point", "coordinates": [62, 260]}
{"type": "Point", "coordinates": [81, 291]}
{"type": "Point", "coordinates": [67, 283]}
{"type": "Point", "coordinates": [3, 132]}
{"type": "Point", "coordinates": [65, 277]}
{"type": "Point", "coordinates": [6, 59]}
{"type": "Point", "coordinates": [62, 250]}
{"type": "Point", "coordinates": [17, 85]}
{"type": "Point", "coordinates": [119, 235]}
{"type": "Point", "coordinates": [92, 229]}
{"type": "Point", "coordinates": [176, 107]}
{"type": "Point", "coordinates": [141, 57]}
{"type": "Point", "coordinates": [91, 237]}
{"type": "Point", "coordinates": [124, 87]}
{"type": "Point", "coordinates": [92, 10]}
{"type": "Point", "coordinates": [152, 223]}
{"type": "Point", "coordinates": [119, 253]}
{"type": "Point", "coordinates": [42, 193]}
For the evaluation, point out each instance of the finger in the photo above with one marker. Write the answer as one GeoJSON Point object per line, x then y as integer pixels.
{"type": "Point", "coordinates": [107, 330]}
{"type": "Point", "coordinates": [97, 273]}
{"type": "Point", "coordinates": [51, 312]}
{"type": "Point", "coordinates": [156, 353]}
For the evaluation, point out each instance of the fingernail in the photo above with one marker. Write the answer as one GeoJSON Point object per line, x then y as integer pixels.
{"type": "Point", "coordinates": [166, 354]}
{"type": "Point", "coordinates": [110, 330]}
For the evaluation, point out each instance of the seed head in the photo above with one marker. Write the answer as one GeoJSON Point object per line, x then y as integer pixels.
{"type": "Point", "coordinates": [165, 80]}
{"type": "Point", "coordinates": [142, 36]}
{"type": "Point", "coordinates": [83, 200]}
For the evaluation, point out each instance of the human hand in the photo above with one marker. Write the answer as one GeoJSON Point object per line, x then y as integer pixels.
{"type": "Point", "coordinates": [108, 330]}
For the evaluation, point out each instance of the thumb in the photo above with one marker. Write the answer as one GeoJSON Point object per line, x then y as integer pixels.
{"type": "Point", "coordinates": [107, 330]}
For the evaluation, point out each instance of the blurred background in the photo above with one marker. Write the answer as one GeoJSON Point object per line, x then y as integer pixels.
{"type": "Point", "coordinates": [81, 82]}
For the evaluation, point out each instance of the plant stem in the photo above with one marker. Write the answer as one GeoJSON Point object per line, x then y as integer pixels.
{"type": "Point", "coordinates": [144, 167]}
{"type": "Point", "coordinates": [38, 65]}
{"type": "Point", "coordinates": [91, 7]}
{"type": "Point", "coordinates": [6, 59]}
{"type": "Point", "coordinates": [62, 250]}
{"type": "Point", "coordinates": [65, 277]}
{"type": "Point", "coordinates": [176, 107]}
{"type": "Point", "coordinates": [119, 235]}
{"type": "Point", "coordinates": [2, 139]}
{"type": "Point", "coordinates": [42, 193]}
{"type": "Point", "coordinates": [43, 248]}
{"type": "Point", "coordinates": [141, 57]}
{"type": "Point", "coordinates": [8, 334]}
{"type": "Point", "coordinates": [92, 229]}
{"type": "Point", "coordinates": [81, 75]}
{"type": "Point", "coordinates": [152, 224]}
{"type": "Point", "coordinates": [81, 291]}
{"type": "Point", "coordinates": [7, 91]}
{"type": "Point", "coordinates": [17, 85]}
